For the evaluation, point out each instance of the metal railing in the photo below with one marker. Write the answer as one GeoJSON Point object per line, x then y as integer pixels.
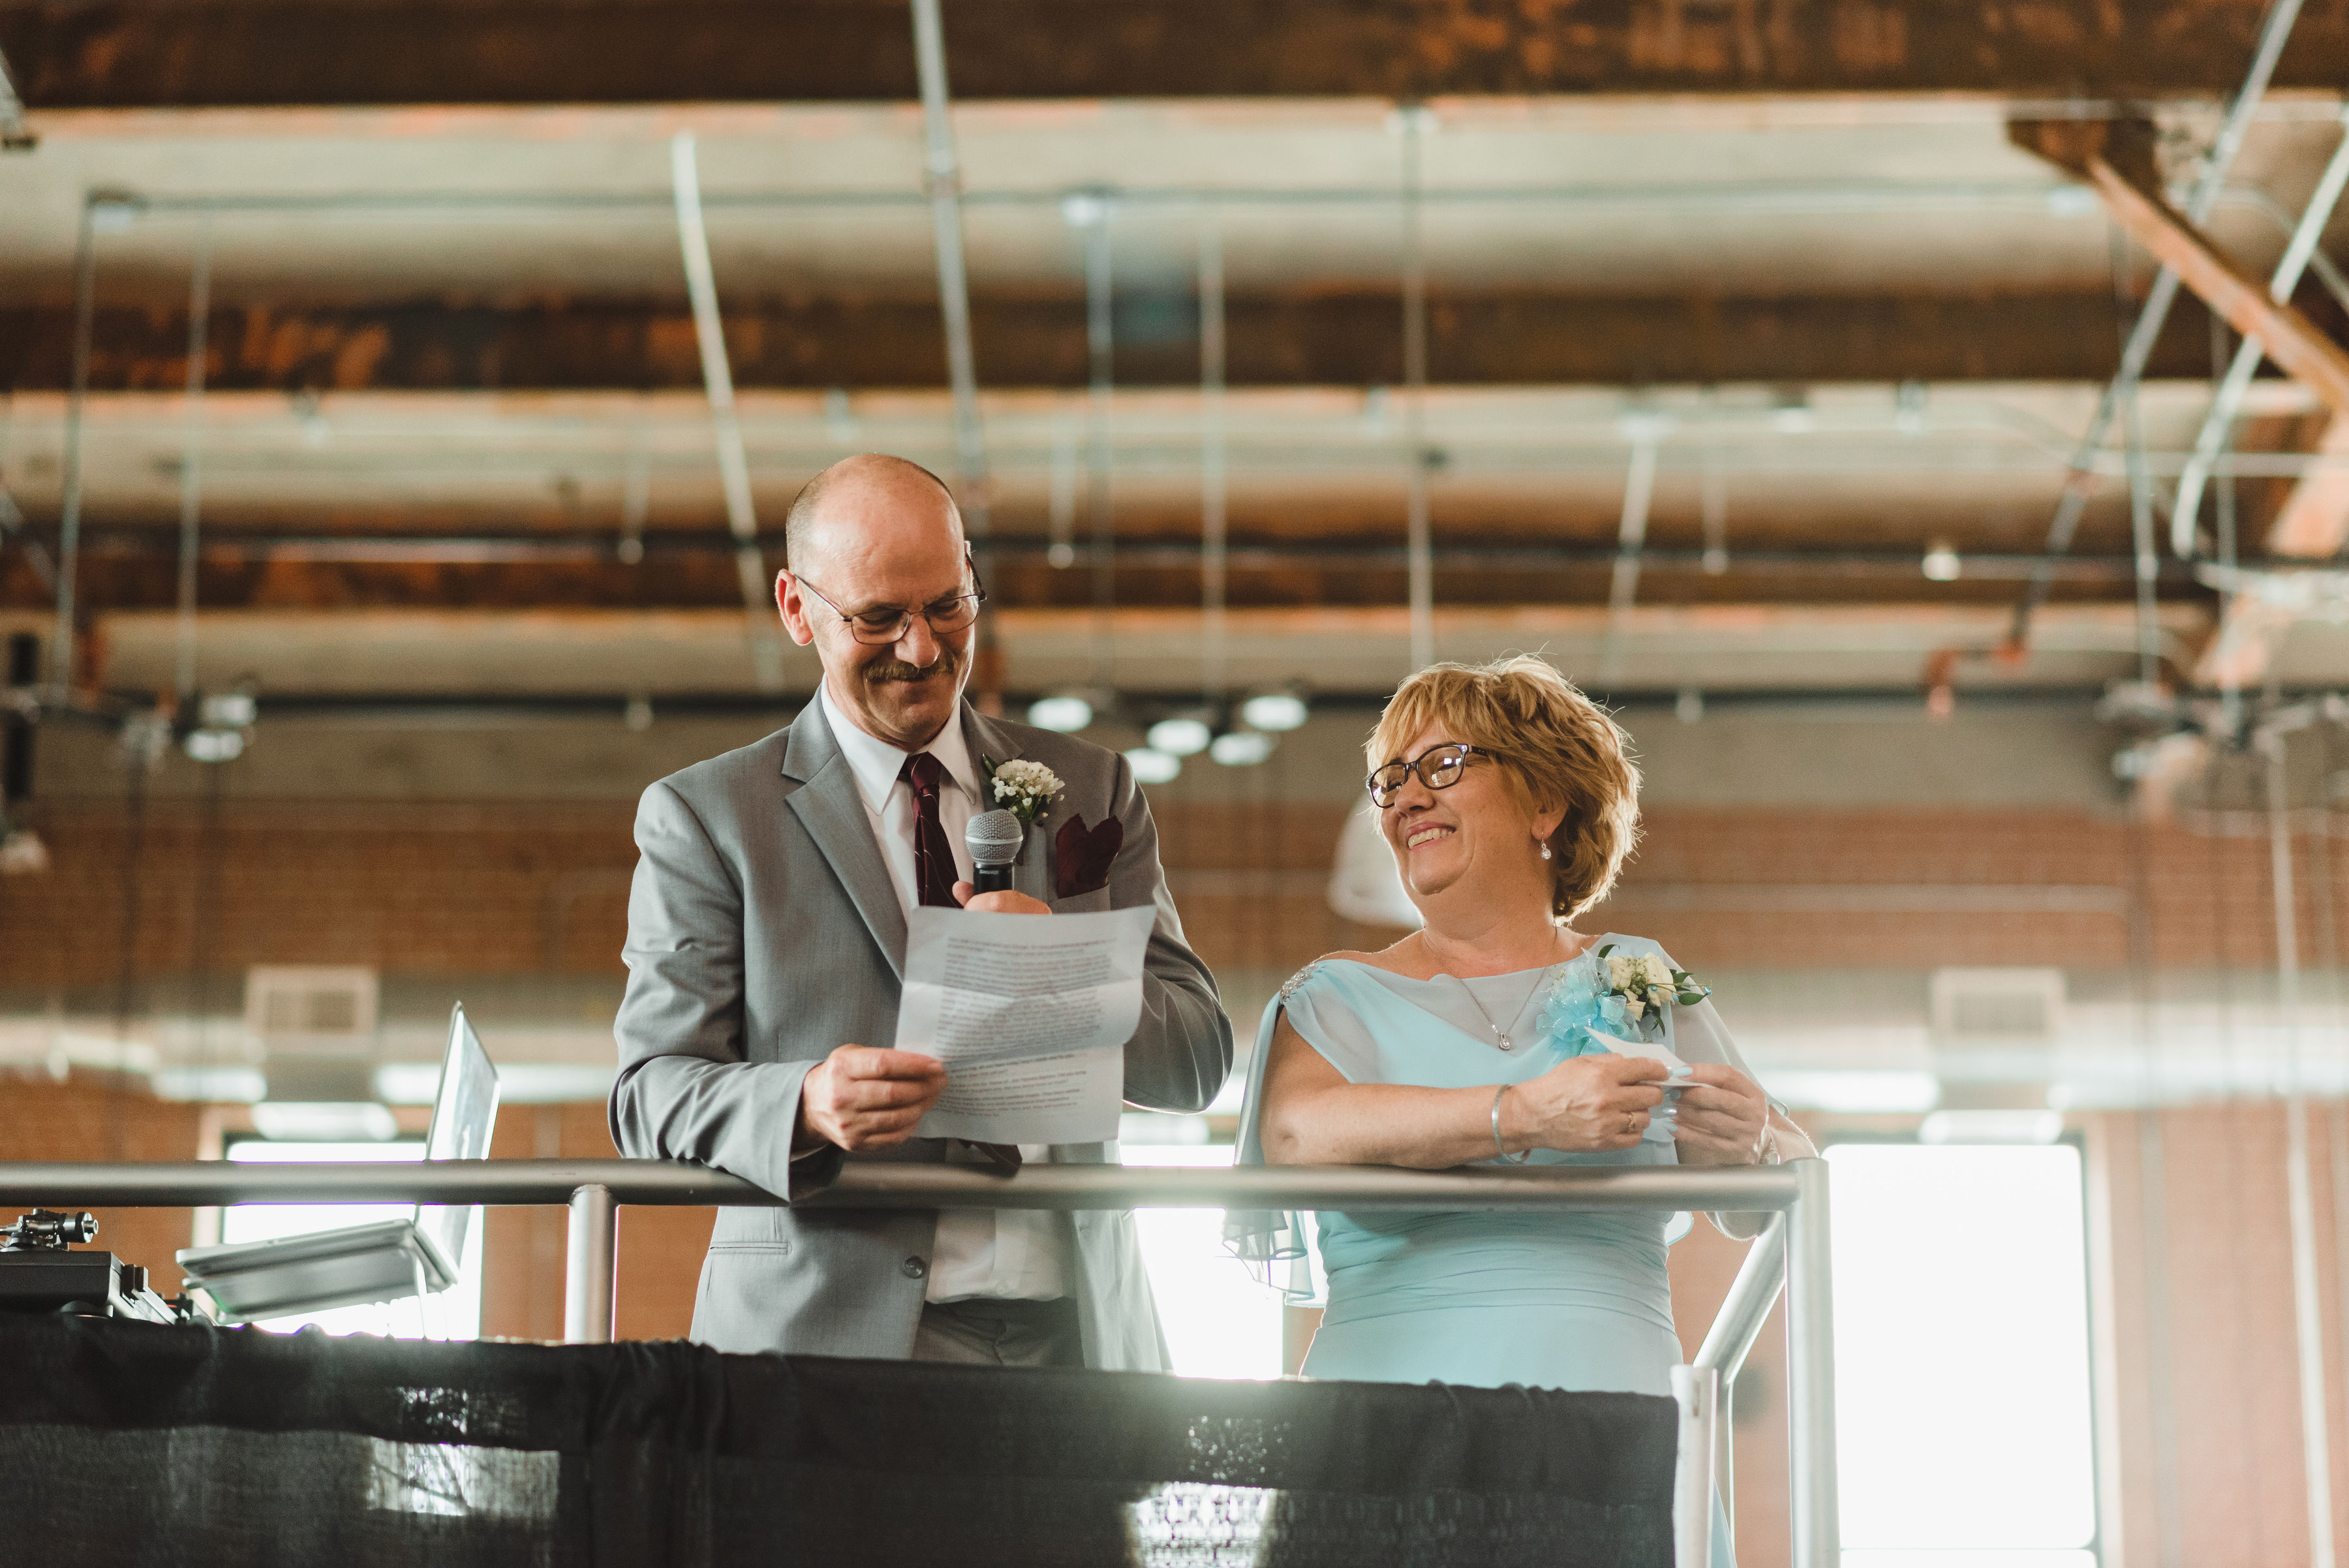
{"type": "Point", "coordinates": [1791, 1249]}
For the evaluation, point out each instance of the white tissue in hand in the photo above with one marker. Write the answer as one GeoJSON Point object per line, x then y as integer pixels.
{"type": "Point", "coordinates": [1680, 1077]}
{"type": "Point", "coordinates": [1678, 1069]}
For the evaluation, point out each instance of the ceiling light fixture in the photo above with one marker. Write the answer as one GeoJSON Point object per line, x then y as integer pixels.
{"type": "Point", "coordinates": [1065, 713]}
{"type": "Point", "coordinates": [1152, 766]}
{"type": "Point", "coordinates": [1941, 563]}
{"type": "Point", "coordinates": [213, 745]}
{"type": "Point", "coordinates": [21, 853]}
{"type": "Point", "coordinates": [1183, 735]}
{"type": "Point", "coordinates": [1275, 711]}
{"type": "Point", "coordinates": [1790, 412]}
{"type": "Point", "coordinates": [1241, 748]}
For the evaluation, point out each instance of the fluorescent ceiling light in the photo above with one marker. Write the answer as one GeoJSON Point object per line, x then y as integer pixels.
{"type": "Point", "coordinates": [1152, 766]}
{"type": "Point", "coordinates": [1184, 735]}
{"type": "Point", "coordinates": [1274, 711]}
{"type": "Point", "coordinates": [227, 709]}
{"type": "Point", "coordinates": [1854, 1092]}
{"type": "Point", "coordinates": [324, 1121]}
{"type": "Point", "coordinates": [214, 1083]}
{"type": "Point", "coordinates": [213, 745]}
{"type": "Point", "coordinates": [1991, 1126]}
{"type": "Point", "coordinates": [1240, 749]}
{"type": "Point", "coordinates": [1066, 713]}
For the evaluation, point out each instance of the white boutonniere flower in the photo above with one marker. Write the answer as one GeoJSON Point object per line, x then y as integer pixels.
{"type": "Point", "coordinates": [1645, 983]}
{"type": "Point", "coordinates": [1023, 788]}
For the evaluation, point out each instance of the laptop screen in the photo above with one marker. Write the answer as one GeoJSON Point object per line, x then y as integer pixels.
{"type": "Point", "coordinates": [462, 1115]}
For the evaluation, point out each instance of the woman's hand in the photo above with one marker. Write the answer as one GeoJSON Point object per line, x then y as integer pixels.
{"type": "Point", "coordinates": [1584, 1104]}
{"type": "Point", "coordinates": [1721, 1117]}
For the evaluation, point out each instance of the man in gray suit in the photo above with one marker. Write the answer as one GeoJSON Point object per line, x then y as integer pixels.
{"type": "Point", "coordinates": [765, 952]}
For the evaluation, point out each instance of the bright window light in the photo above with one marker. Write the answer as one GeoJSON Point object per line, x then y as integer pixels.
{"type": "Point", "coordinates": [1963, 1424]}
{"type": "Point", "coordinates": [1219, 1321]}
{"type": "Point", "coordinates": [452, 1314]}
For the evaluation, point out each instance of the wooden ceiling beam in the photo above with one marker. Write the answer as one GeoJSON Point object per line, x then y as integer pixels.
{"type": "Point", "coordinates": [111, 53]}
{"type": "Point", "coordinates": [1321, 336]}
{"type": "Point", "coordinates": [2116, 158]}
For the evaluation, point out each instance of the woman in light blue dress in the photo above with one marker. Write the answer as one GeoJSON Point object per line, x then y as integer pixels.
{"type": "Point", "coordinates": [1510, 805]}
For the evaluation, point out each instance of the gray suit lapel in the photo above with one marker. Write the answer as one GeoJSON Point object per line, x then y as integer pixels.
{"type": "Point", "coordinates": [829, 807]}
{"type": "Point", "coordinates": [985, 739]}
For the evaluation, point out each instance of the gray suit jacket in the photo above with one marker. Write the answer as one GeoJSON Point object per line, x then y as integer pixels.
{"type": "Point", "coordinates": [763, 932]}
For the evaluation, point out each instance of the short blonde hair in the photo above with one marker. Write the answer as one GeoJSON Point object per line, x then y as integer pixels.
{"type": "Point", "coordinates": [1557, 748]}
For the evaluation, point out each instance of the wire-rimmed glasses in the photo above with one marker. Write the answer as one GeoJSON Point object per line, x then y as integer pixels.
{"type": "Point", "coordinates": [1438, 768]}
{"type": "Point", "coordinates": [884, 625]}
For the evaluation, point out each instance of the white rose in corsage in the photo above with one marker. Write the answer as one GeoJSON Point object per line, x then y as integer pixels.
{"type": "Point", "coordinates": [1023, 788]}
{"type": "Point", "coordinates": [1637, 990]}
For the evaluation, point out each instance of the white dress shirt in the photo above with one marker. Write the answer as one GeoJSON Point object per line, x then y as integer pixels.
{"type": "Point", "coordinates": [1014, 1254]}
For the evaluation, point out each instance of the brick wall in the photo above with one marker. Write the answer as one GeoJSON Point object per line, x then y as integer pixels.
{"type": "Point", "coordinates": [90, 1118]}
{"type": "Point", "coordinates": [542, 888]}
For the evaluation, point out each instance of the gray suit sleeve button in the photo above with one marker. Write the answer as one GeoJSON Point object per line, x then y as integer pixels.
{"type": "Point", "coordinates": [914, 1268]}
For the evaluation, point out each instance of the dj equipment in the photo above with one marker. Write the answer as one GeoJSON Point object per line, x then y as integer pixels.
{"type": "Point", "coordinates": [40, 1272]}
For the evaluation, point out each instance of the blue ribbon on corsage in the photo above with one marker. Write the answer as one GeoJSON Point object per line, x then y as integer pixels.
{"type": "Point", "coordinates": [1580, 1010]}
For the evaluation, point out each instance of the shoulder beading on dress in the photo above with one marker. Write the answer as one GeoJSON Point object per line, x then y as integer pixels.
{"type": "Point", "coordinates": [1289, 987]}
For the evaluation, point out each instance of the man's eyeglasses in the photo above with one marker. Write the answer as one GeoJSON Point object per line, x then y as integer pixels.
{"type": "Point", "coordinates": [883, 625]}
{"type": "Point", "coordinates": [1438, 768]}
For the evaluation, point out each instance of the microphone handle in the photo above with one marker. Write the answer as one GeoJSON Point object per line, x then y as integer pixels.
{"type": "Point", "coordinates": [991, 879]}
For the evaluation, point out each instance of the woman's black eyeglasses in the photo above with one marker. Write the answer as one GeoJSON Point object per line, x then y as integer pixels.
{"type": "Point", "coordinates": [1438, 768]}
{"type": "Point", "coordinates": [886, 624]}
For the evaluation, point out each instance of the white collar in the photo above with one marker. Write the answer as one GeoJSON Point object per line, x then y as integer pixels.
{"type": "Point", "coordinates": [876, 763]}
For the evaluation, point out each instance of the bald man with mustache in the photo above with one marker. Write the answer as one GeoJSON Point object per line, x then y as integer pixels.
{"type": "Point", "coordinates": [766, 947]}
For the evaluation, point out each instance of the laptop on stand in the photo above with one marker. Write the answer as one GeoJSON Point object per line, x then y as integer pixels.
{"type": "Point", "coordinates": [386, 1261]}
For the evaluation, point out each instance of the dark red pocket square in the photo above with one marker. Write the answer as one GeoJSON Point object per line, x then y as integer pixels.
{"type": "Point", "coordinates": [1081, 856]}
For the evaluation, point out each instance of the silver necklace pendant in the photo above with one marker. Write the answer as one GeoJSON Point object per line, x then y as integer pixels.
{"type": "Point", "coordinates": [1502, 1036]}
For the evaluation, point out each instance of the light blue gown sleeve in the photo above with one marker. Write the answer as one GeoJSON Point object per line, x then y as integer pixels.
{"type": "Point", "coordinates": [1275, 1243]}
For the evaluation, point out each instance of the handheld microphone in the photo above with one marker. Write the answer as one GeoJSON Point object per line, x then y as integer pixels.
{"type": "Point", "coordinates": [994, 837]}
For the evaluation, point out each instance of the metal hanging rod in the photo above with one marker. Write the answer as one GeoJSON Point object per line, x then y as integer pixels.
{"type": "Point", "coordinates": [2063, 199]}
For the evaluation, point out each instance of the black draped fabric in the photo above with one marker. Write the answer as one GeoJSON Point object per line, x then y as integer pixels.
{"type": "Point", "coordinates": [129, 1443]}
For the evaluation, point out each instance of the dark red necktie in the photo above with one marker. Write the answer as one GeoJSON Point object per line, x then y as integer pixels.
{"type": "Point", "coordinates": [934, 877]}
{"type": "Point", "coordinates": [934, 861]}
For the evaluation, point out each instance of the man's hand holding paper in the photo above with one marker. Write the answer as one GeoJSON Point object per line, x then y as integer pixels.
{"type": "Point", "coordinates": [1030, 1019]}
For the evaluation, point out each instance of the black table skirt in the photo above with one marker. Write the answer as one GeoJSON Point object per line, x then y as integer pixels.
{"type": "Point", "coordinates": [125, 1443]}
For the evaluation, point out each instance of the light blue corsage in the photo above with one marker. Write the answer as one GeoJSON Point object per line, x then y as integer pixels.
{"type": "Point", "coordinates": [1576, 1006]}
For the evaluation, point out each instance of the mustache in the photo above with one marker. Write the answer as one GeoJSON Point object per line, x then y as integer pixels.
{"type": "Point", "coordinates": [888, 670]}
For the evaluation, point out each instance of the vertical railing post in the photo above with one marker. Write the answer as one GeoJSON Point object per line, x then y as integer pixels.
{"type": "Point", "coordinates": [590, 1268]}
{"type": "Point", "coordinates": [1810, 1364]}
{"type": "Point", "coordinates": [1697, 1391]}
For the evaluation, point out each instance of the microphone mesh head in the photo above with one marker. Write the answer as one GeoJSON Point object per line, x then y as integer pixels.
{"type": "Point", "coordinates": [994, 837]}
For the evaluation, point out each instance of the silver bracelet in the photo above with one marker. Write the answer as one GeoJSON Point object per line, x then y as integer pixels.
{"type": "Point", "coordinates": [1507, 1158]}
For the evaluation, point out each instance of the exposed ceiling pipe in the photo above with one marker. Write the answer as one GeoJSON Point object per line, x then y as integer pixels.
{"type": "Point", "coordinates": [718, 381]}
{"type": "Point", "coordinates": [1089, 215]}
{"type": "Point", "coordinates": [2315, 1424]}
{"type": "Point", "coordinates": [2220, 420]}
{"type": "Point", "coordinates": [1417, 534]}
{"type": "Point", "coordinates": [1632, 539]}
{"type": "Point", "coordinates": [1752, 196]}
{"type": "Point", "coordinates": [943, 172]}
{"type": "Point", "coordinates": [2273, 31]}
{"type": "Point", "coordinates": [61, 641]}
{"type": "Point", "coordinates": [191, 483]}
{"type": "Point", "coordinates": [248, 548]}
{"type": "Point", "coordinates": [1213, 551]}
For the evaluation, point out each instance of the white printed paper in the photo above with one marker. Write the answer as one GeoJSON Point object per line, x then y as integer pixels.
{"type": "Point", "coordinates": [1031, 1013]}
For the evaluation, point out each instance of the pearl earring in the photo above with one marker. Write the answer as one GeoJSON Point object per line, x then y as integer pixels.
{"type": "Point", "coordinates": [1545, 851]}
